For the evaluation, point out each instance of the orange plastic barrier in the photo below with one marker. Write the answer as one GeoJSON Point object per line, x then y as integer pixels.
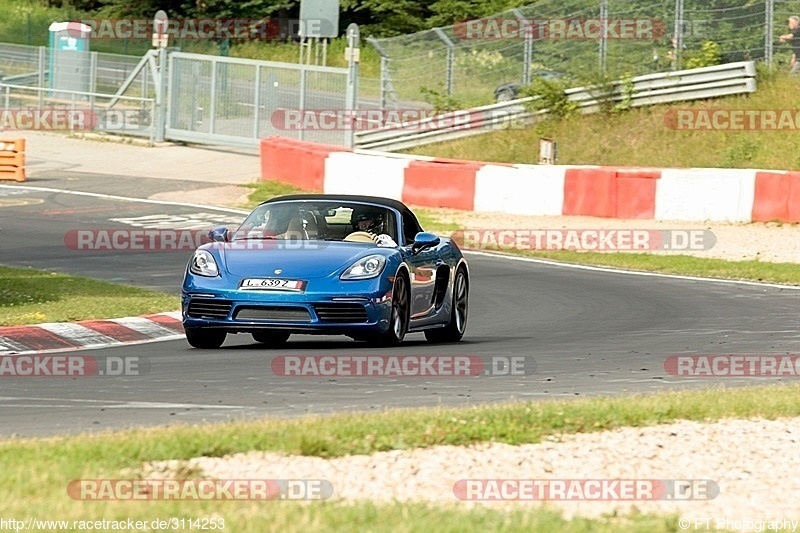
{"type": "Point", "coordinates": [12, 159]}
{"type": "Point", "coordinates": [297, 163]}
{"type": "Point", "coordinates": [610, 192]}
{"type": "Point", "coordinates": [777, 197]}
{"type": "Point", "coordinates": [636, 193]}
{"type": "Point", "coordinates": [590, 192]}
{"type": "Point", "coordinates": [441, 183]}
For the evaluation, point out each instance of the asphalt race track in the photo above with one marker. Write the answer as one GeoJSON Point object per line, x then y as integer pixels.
{"type": "Point", "coordinates": [586, 331]}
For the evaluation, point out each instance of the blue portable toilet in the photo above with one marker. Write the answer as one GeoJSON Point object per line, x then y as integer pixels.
{"type": "Point", "coordinates": [69, 63]}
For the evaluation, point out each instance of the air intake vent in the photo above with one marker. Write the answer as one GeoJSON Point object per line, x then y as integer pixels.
{"type": "Point", "coordinates": [274, 314]}
{"type": "Point", "coordinates": [343, 313]}
{"type": "Point", "coordinates": [209, 308]}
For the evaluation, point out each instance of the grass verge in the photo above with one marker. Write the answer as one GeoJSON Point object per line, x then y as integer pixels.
{"type": "Point", "coordinates": [29, 296]}
{"type": "Point", "coordinates": [766, 272]}
{"type": "Point", "coordinates": [264, 190]}
{"type": "Point", "coordinates": [37, 471]}
{"type": "Point", "coordinates": [644, 137]}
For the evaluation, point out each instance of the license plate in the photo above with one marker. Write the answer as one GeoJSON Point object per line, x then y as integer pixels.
{"type": "Point", "coordinates": [272, 284]}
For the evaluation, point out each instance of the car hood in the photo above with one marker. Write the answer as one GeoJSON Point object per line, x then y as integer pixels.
{"type": "Point", "coordinates": [314, 259]}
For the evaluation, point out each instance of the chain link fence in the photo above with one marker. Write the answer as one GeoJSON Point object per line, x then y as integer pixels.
{"type": "Point", "coordinates": [216, 99]}
{"type": "Point", "coordinates": [208, 99]}
{"type": "Point", "coordinates": [463, 64]}
{"type": "Point", "coordinates": [103, 73]}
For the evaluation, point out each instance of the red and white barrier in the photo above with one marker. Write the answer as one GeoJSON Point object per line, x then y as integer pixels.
{"type": "Point", "coordinates": [690, 194]}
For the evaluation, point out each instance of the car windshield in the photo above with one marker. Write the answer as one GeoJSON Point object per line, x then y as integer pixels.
{"type": "Point", "coordinates": [324, 220]}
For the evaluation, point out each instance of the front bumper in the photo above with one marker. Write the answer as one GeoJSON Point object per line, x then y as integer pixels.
{"type": "Point", "coordinates": [355, 308]}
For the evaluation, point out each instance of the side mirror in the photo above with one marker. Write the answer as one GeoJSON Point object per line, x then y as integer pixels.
{"type": "Point", "coordinates": [424, 240]}
{"type": "Point", "coordinates": [219, 234]}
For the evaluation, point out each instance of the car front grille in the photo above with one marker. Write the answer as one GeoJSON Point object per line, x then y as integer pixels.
{"type": "Point", "coordinates": [344, 313]}
{"type": "Point", "coordinates": [274, 314]}
{"type": "Point", "coordinates": [209, 308]}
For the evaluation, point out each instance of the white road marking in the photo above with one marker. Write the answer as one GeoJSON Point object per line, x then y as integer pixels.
{"type": "Point", "coordinates": [118, 404]}
{"type": "Point", "coordinates": [611, 270]}
{"type": "Point", "coordinates": [124, 198]}
{"type": "Point", "coordinates": [185, 222]}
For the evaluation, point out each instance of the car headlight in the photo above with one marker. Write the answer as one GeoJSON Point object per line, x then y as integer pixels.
{"type": "Point", "coordinates": [365, 268]}
{"type": "Point", "coordinates": [203, 264]}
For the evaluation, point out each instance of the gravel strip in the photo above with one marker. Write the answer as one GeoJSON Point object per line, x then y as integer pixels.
{"type": "Point", "coordinates": [758, 481]}
{"type": "Point", "coordinates": [772, 241]}
{"type": "Point", "coordinates": [223, 196]}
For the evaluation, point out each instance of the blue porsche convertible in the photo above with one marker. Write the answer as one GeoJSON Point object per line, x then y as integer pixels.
{"type": "Point", "coordinates": [359, 266]}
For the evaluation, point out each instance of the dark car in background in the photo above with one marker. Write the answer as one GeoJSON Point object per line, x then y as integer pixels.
{"type": "Point", "coordinates": [511, 91]}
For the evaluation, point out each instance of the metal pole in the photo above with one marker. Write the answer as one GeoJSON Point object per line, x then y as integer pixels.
{"type": "Point", "coordinates": [160, 121]}
{"type": "Point", "coordinates": [385, 75]}
{"type": "Point", "coordinates": [527, 58]}
{"type": "Point", "coordinates": [678, 34]}
{"type": "Point", "coordinates": [527, 51]}
{"type": "Point", "coordinates": [300, 59]}
{"type": "Point", "coordinates": [384, 80]}
{"type": "Point", "coordinates": [42, 73]}
{"type": "Point", "coordinates": [604, 35]}
{"type": "Point", "coordinates": [92, 78]}
{"type": "Point", "coordinates": [450, 60]}
{"type": "Point", "coordinates": [144, 83]}
{"type": "Point", "coordinates": [351, 99]}
{"type": "Point", "coordinates": [302, 106]}
{"type": "Point", "coordinates": [212, 105]}
{"type": "Point", "coordinates": [257, 102]}
{"type": "Point", "coordinates": [769, 29]}
{"type": "Point", "coordinates": [152, 125]}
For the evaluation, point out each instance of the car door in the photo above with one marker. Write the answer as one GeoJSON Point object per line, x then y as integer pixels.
{"type": "Point", "coordinates": [423, 267]}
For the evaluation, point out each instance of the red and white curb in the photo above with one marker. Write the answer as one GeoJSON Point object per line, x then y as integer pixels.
{"type": "Point", "coordinates": [89, 334]}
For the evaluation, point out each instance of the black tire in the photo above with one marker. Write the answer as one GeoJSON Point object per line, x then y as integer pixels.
{"type": "Point", "coordinates": [205, 339]}
{"type": "Point", "coordinates": [272, 338]}
{"type": "Point", "coordinates": [398, 323]}
{"type": "Point", "coordinates": [454, 330]}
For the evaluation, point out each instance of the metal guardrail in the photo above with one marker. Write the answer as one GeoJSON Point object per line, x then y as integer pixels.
{"type": "Point", "coordinates": [46, 108]}
{"type": "Point", "coordinates": [649, 89]}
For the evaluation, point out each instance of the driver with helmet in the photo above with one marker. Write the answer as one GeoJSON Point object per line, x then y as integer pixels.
{"type": "Point", "coordinates": [367, 220]}
{"type": "Point", "coordinates": [371, 221]}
